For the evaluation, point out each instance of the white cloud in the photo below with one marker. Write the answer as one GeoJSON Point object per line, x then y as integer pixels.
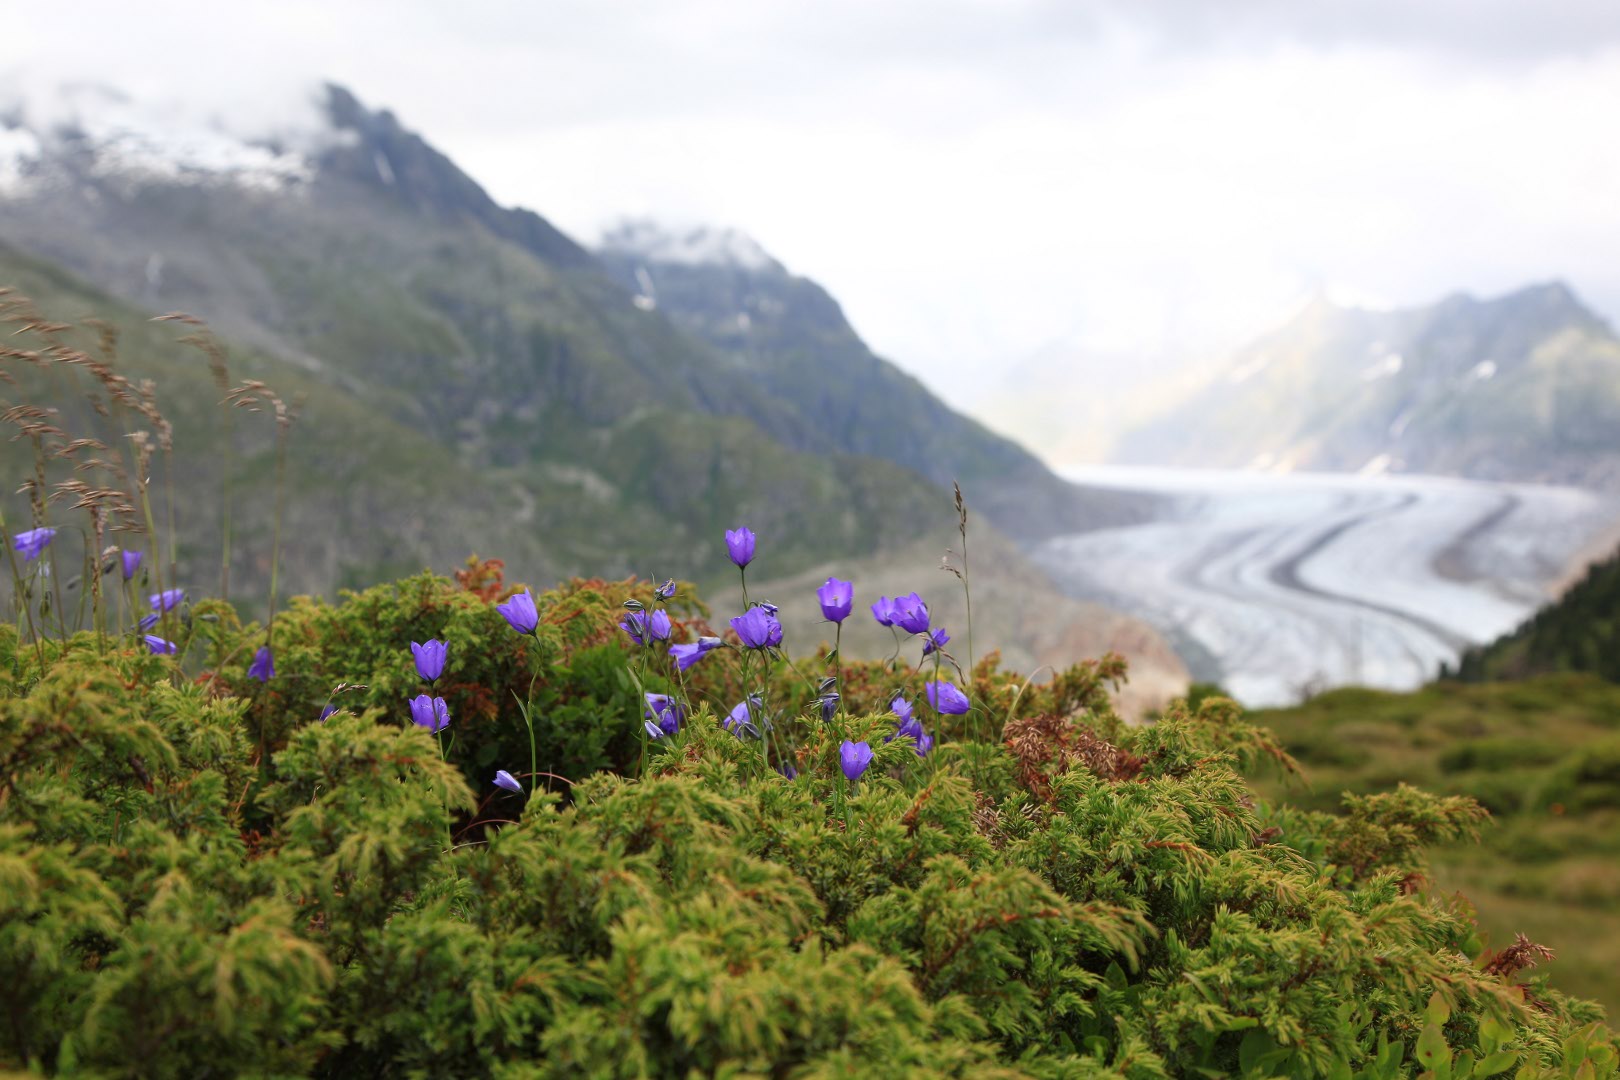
{"type": "Point", "coordinates": [975, 179]}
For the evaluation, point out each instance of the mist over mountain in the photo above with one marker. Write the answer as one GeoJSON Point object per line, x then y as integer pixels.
{"type": "Point", "coordinates": [1522, 387]}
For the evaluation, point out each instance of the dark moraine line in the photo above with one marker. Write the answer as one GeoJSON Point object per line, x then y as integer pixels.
{"type": "Point", "coordinates": [1286, 574]}
{"type": "Point", "coordinates": [1451, 562]}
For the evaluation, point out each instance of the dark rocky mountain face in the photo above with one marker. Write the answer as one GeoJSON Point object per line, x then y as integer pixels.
{"type": "Point", "coordinates": [1521, 387]}
{"type": "Point", "coordinates": [362, 266]}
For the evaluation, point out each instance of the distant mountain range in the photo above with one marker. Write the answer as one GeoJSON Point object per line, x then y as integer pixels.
{"type": "Point", "coordinates": [1522, 387]}
{"type": "Point", "coordinates": [474, 379]}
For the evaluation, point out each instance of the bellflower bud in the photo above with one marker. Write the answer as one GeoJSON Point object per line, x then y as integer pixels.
{"type": "Point", "coordinates": [740, 545]}
{"type": "Point", "coordinates": [430, 712]}
{"type": "Point", "coordinates": [429, 658]}
{"type": "Point", "coordinates": [520, 612]}
{"type": "Point", "coordinates": [263, 667]}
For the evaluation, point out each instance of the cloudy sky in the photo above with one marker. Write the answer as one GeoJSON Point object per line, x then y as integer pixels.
{"type": "Point", "coordinates": [979, 180]}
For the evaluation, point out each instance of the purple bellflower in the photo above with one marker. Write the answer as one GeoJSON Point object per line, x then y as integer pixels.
{"type": "Point", "coordinates": [32, 541]}
{"type": "Point", "coordinates": [166, 600]}
{"type": "Point", "coordinates": [946, 698]}
{"type": "Point", "coordinates": [519, 611]}
{"type": "Point", "coordinates": [328, 711]}
{"type": "Point", "coordinates": [757, 628]}
{"type": "Point", "coordinates": [645, 628]}
{"type": "Point", "coordinates": [263, 667]}
{"type": "Point", "coordinates": [158, 645]}
{"type": "Point", "coordinates": [131, 562]}
{"type": "Point", "coordinates": [837, 599]}
{"type": "Point", "coordinates": [911, 614]}
{"type": "Point", "coordinates": [430, 712]}
{"type": "Point", "coordinates": [148, 621]}
{"type": "Point", "coordinates": [666, 590]}
{"type": "Point", "coordinates": [853, 758]}
{"type": "Point", "coordinates": [740, 546]}
{"type": "Point", "coordinates": [740, 721]}
{"type": "Point", "coordinates": [429, 657]}
{"type": "Point", "coordinates": [883, 611]}
{"type": "Point", "coordinates": [687, 655]}
{"type": "Point", "coordinates": [666, 712]}
{"type": "Point", "coordinates": [936, 640]}
{"type": "Point", "coordinates": [504, 779]}
{"type": "Point", "coordinates": [909, 726]}
{"type": "Point", "coordinates": [652, 729]}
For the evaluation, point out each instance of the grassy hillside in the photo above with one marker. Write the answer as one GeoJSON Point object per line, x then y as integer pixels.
{"type": "Point", "coordinates": [375, 494]}
{"type": "Point", "coordinates": [1543, 755]}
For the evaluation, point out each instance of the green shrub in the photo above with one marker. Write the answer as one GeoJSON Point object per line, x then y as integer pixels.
{"type": "Point", "coordinates": [199, 876]}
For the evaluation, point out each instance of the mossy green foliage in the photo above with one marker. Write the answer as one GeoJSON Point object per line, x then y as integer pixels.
{"type": "Point", "coordinates": [1581, 632]}
{"type": "Point", "coordinates": [1543, 755]}
{"type": "Point", "coordinates": [202, 878]}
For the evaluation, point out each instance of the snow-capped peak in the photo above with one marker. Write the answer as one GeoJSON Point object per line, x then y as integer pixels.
{"type": "Point", "coordinates": [110, 134]}
{"type": "Point", "coordinates": [696, 246]}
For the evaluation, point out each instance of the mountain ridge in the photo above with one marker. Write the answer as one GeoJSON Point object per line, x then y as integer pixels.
{"type": "Point", "coordinates": [1519, 387]}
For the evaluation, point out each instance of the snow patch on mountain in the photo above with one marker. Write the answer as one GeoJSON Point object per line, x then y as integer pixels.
{"type": "Point", "coordinates": [695, 246]}
{"type": "Point", "coordinates": [103, 133]}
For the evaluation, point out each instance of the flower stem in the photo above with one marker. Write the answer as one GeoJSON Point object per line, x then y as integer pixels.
{"type": "Point", "coordinates": [838, 666]}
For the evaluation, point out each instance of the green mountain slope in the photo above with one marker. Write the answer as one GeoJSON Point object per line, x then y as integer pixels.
{"type": "Point", "coordinates": [381, 500]}
{"type": "Point", "coordinates": [1580, 632]}
{"type": "Point", "coordinates": [1521, 387]}
{"type": "Point", "coordinates": [373, 494]}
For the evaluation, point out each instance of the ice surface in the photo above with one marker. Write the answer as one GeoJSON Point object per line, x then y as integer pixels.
{"type": "Point", "coordinates": [1295, 583]}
